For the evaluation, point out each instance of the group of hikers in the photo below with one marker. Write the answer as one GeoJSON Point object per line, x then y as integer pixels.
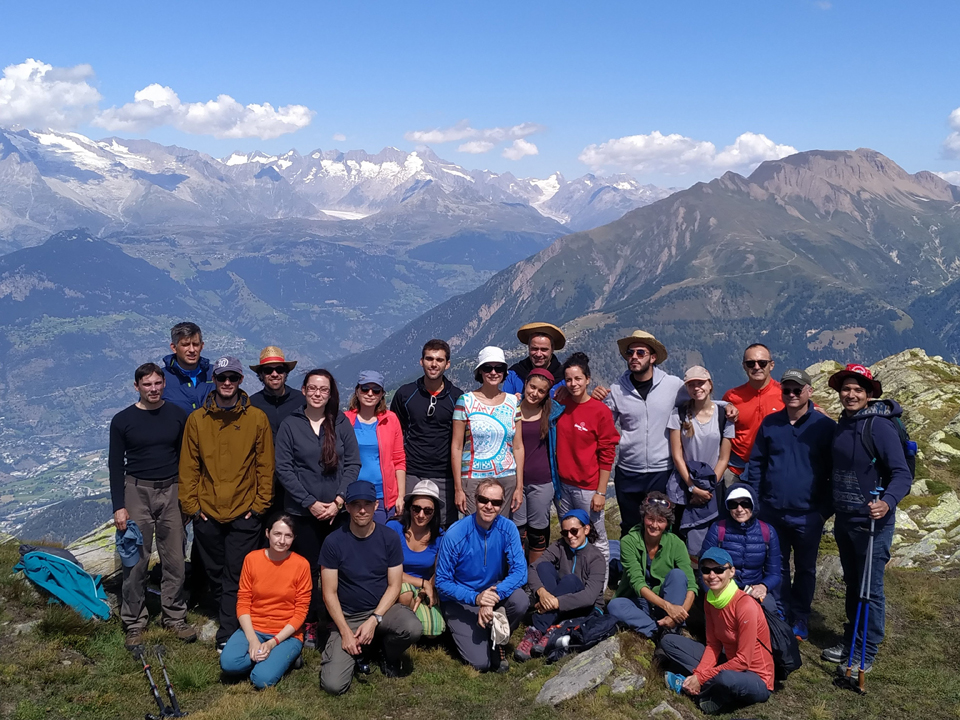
{"type": "Point", "coordinates": [360, 531]}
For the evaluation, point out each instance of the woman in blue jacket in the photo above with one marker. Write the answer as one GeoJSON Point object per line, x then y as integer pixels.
{"type": "Point", "coordinates": [753, 545]}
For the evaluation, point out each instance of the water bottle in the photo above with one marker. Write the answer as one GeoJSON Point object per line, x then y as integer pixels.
{"type": "Point", "coordinates": [911, 448]}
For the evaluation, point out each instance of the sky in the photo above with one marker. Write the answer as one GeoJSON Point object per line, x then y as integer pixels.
{"type": "Point", "coordinates": [670, 92]}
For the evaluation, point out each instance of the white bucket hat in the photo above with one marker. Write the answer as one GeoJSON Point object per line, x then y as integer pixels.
{"type": "Point", "coordinates": [490, 354]}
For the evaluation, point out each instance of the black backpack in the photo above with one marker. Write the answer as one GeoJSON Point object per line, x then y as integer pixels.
{"type": "Point", "coordinates": [909, 446]}
{"type": "Point", "coordinates": [785, 650]}
{"type": "Point", "coordinates": [584, 634]}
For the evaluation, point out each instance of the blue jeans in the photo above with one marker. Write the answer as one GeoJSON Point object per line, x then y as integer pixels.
{"type": "Point", "coordinates": [728, 688]}
{"type": "Point", "coordinates": [852, 540]}
{"type": "Point", "coordinates": [641, 615]}
{"type": "Point", "coordinates": [235, 659]}
{"type": "Point", "coordinates": [800, 534]}
{"type": "Point", "coordinates": [557, 586]}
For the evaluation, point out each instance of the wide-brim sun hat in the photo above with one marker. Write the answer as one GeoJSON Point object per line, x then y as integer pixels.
{"type": "Point", "coordinates": [542, 328]}
{"type": "Point", "coordinates": [862, 375]}
{"type": "Point", "coordinates": [272, 355]}
{"type": "Point", "coordinates": [490, 354]}
{"type": "Point", "coordinates": [424, 488]}
{"type": "Point", "coordinates": [642, 336]}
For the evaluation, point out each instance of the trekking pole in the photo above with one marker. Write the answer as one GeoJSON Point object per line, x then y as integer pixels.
{"type": "Point", "coordinates": [160, 650]}
{"type": "Point", "coordinates": [863, 604]}
{"type": "Point", "coordinates": [140, 655]}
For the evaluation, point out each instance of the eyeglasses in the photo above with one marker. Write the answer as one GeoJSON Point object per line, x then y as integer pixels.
{"type": "Point", "coordinates": [432, 407]}
{"type": "Point", "coordinates": [713, 569]}
{"type": "Point", "coordinates": [371, 389]}
{"type": "Point", "coordinates": [499, 369]}
{"type": "Point", "coordinates": [274, 370]}
{"type": "Point", "coordinates": [660, 502]}
{"type": "Point", "coordinates": [756, 363]}
{"type": "Point", "coordinates": [639, 352]}
{"type": "Point", "coordinates": [228, 377]}
{"type": "Point", "coordinates": [734, 504]}
{"type": "Point", "coordinates": [572, 532]}
{"type": "Point", "coordinates": [481, 500]}
{"type": "Point", "coordinates": [791, 391]}
{"type": "Point", "coordinates": [422, 510]}
{"type": "Point", "coordinates": [314, 390]}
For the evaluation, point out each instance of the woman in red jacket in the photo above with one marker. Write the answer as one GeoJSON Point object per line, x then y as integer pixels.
{"type": "Point", "coordinates": [586, 446]}
{"type": "Point", "coordinates": [737, 631]}
{"type": "Point", "coordinates": [383, 461]}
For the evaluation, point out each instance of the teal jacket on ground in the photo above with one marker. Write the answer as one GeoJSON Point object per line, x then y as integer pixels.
{"type": "Point", "coordinates": [67, 582]}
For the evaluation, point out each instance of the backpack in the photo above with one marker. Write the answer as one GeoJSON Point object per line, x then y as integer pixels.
{"type": "Point", "coordinates": [908, 445]}
{"type": "Point", "coordinates": [584, 634]}
{"type": "Point", "coordinates": [722, 532]}
{"type": "Point", "coordinates": [785, 650]}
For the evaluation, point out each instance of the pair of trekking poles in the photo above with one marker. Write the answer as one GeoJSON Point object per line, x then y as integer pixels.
{"type": "Point", "coordinates": [863, 610]}
{"type": "Point", "coordinates": [173, 711]}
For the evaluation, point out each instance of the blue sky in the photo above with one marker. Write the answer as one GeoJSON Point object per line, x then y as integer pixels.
{"type": "Point", "coordinates": [585, 84]}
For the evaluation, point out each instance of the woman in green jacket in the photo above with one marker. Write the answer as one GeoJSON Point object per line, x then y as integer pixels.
{"type": "Point", "coordinates": [658, 586]}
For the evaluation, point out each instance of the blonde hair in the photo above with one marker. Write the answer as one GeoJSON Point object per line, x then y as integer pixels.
{"type": "Point", "coordinates": [686, 413]}
{"type": "Point", "coordinates": [354, 403]}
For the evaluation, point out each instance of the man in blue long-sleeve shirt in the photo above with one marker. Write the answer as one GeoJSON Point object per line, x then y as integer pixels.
{"type": "Point", "coordinates": [789, 468]}
{"type": "Point", "coordinates": [481, 568]}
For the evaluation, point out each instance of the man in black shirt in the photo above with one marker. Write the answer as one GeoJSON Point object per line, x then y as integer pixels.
{"type": "Point", "coordinates": [277, 399]}
{"type": "Point", "coordinates": [425, 409]}
{"type": "Point", "coordinates": [143, 460]}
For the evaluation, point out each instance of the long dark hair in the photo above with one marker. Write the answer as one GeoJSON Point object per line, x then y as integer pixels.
{"type": "Point", "coordinates": [546, 406]}
{"type": "Point", "coordinates": [406, 518]}
{"type": "Point", "coordinates": [329, 459]}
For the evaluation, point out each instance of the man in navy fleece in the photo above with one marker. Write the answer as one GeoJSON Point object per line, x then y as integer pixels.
{"type": "Point", "coordinates": [864, 490]}
{"type": "Point", "coordinates": [481, 568]}
{"type": "Point", "coordinates": [789, 469]}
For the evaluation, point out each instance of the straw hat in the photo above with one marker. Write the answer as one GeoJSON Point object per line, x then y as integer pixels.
{"type": "Point", "coordinates": [272, 355]}
{"type": "Point", "coordinates": [641, 336]}
{"type": "Point", "coordinates": [542, 328]}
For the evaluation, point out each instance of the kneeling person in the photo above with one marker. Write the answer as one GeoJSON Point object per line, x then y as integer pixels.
{"type": "Point", "coordinates": [481, 569]}
{"type": "Point", "coordinates": [361, 569]}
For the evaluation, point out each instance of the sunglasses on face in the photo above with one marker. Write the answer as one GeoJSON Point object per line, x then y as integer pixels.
{"type": "Point", "coordinates": [638, 352]}
{"type": "Point", "coordinates": [713, 569]}
{"type": "Point", "coordinates": [499, 369]}
{"type": "Point", "coordinates": [228, 377]}
{"type": "Point", "coordinates": [572, 532]}
{"type": "Point", "coordinates": [371, 389]}
{"type": "Point", "coordinates": [422, 510]}
{"type": "Point", "coordinates": [756, 363]}
{"type": "Point", "coordinates": [791, 391]}
{"type": "Point", "coordinates": [734, 504]}
{"type": "Point", "coordinates": [481, 500]}
{"type": "Point", "coordinates": [275, 370]}
{"type": "Point", "coordinates": [432, 407]}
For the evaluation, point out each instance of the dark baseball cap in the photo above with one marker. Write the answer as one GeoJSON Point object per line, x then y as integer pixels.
{"type": "Point", "coordinates": [796, 375]}
{"type": "Point", "coordinates": [360, 490]}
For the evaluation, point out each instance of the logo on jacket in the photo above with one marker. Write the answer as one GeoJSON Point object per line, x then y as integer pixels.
{"type": "Point", "coordinates": [581, 427]}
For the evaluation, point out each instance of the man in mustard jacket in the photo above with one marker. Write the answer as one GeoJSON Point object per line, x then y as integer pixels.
{"type": "Point", "coordinates": [226, 482]}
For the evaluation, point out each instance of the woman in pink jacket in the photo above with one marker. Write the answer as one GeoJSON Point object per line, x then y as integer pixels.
{"type": "Point", "coordinates": [383, 460]}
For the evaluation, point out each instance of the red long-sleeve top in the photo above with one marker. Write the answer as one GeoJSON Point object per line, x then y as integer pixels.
{"type": "Point", "coordinates": [737, 631]}
{"type": "Point", "coordinates": [586, 443]}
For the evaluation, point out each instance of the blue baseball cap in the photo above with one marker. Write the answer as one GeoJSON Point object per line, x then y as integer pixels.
{"type": "Point", "coordinates": [718, 555]}
{"type": "Point", "coordinates": [360, 490]}
{"type": "Point", "coordinates": [370, 377]}
{"type": "Point", "coordinates": [580, 515]}
{"type": "Point", "coordinates": [129, 543]}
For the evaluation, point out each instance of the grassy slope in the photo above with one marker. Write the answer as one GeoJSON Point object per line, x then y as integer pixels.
{"type": "Point", "coordinates": [70, 669]}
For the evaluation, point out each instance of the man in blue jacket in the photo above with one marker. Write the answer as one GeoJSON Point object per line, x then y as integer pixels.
{"type": "Point", "coordinates": [189, 376]}
{"type": "Point", "coordinates": [865, 489]}
{"type": "Point", "coordinates": [789, 469]}
{"type": "Point", "coordinates": [481, 569]}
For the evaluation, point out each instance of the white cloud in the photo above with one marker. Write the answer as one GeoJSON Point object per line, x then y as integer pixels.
{"type": "Point", "coordinates": [824, 4]}
{"type": "Point", "coordinates": [951, 146]}
{"type": "Point", "coordinates": [224, 117]}
{"type": "Point", "coordinates": [677, 154]}
{"type": "Point", "coordinates": [476, 147]}
{"type": "Point", "coordinates": [951, 176]}
{"type": "Point", "coordinates": [339, 137]}
{"type": "Point", "coordinates": [520, 149]}
{"type": "Point", "coordinates": [35, 94]}
{"type": "Point", "coordinates": [480, 140]}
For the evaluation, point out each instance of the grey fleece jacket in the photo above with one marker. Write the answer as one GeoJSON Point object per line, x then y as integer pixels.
{"type": "Point", "coordinates": [644, 438]}
{"type": "Point", "coordinates": [587, 563]}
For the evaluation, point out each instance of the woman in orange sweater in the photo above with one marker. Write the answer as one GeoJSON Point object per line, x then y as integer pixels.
{"type": "Point", "coordinates": [272, 602]}
{"type": "Point", "coordinates": [737, 633]}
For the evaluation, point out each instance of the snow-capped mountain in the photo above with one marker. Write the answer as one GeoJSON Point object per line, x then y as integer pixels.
{"type": "Point", "coordinates": [50, 181]}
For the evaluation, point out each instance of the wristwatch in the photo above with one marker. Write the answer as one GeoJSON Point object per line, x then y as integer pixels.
{"type": "Point", "coordinates": [378, 618]}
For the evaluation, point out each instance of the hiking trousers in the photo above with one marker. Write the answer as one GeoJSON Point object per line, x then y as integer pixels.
{"type": "Point", "coordinates": [473, 641]}
{"type": "Point", "coordinates": [639, 614]}
{"type": "Point", "coordinates": [154, 506]}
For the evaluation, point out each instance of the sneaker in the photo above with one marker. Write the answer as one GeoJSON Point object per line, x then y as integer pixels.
{"type": "Point", "coordinates": [800, 630]}
{"type": "Point", "coordinates": [310, 635]}
{"type": "Point", "coordinates": [525, 649]}
{"type": "Point", "coordinates": [674, 681]}
{"type": "Point", "coordinates": [540, 646]}
{"type": "Point", "coordinates": [134, 638]}
{"type": "Point", "coordinates": [836, 654]}
{"type": "Point", "coordinates": [184, 632]}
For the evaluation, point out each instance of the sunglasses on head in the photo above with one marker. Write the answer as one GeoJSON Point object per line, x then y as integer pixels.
{"type": "Point", "coordinates": [791, 391]}
{"type": "Point", "coordinates": [482, 500]}
{"type": "Point", "coordinates": [659, 502]}
{"type": "Point", "coordinates": [639, 352]}
{"type": "Point", "coordinates": [713, 569]}
{"type": "Point", "coordinates": [756, 363]}
{"type": "Point", "coordinates": [422, 510]}
{"type": "Point", "coordinates": [734, 504]}
{"type": "Point", "coordinates": [228, 377]}
{"type": "Point", "coordinates": [274, 370]}
{"type": "Point", "coordinates": [371, 389]}
{"type": "Point", "coordinates": [488, 368]}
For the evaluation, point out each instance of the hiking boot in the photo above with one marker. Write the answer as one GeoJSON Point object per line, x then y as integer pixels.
{"type": "Point", "coordinates": [709, 707]}
{"type": "Point", "coordinates": [310, 635]}
{"type": "Point", "coordinates": [801, 631]}
{"type": "Point", "coordinates": [391, 668]}
{"type": "Point", "coordinates": [362, 666]}
{"type": "Point", "coordinates": [540, 646]}
{"type": "Point", "coordinates": [836, 654]}
{"type": "Point", "coordinates": [134, 638]}
{"type": "Point", "coordinates": [674, 681]}
{"type": "Point", "coordinates": [499, 661]}
{"type": "Point", "coordinates": [184, 632]}
{"type": "Point", "coordinates": [525, 649]}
